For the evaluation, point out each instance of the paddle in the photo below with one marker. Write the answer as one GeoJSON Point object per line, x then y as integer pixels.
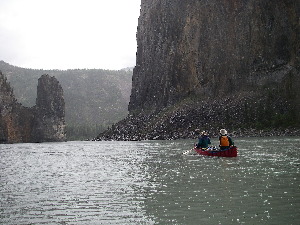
{"type": "Point", "coordinates": [189, 151]}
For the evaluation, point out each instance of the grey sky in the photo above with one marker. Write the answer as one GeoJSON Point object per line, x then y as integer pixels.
{"type": "Point", "coordinates": [67, 34]}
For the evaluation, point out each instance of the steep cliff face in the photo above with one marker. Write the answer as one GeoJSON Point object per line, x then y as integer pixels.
{"type": "Point", "coordinates": [210, 64]}
{"type": "Point", "coordinates": [212, 48]}
{"type": "Point", "coordinates": [15, 120]}
{"type": "Point", "coordinates": [43, 122]}
{"type": "Point", "coordinates": [49, 124]}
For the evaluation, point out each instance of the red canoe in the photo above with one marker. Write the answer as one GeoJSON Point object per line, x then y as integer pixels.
{"type": "Point", "coordinates": [230, 152]}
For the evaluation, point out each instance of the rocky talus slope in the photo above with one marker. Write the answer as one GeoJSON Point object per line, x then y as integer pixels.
{"type": "Point", "coordinates": [211, 64]}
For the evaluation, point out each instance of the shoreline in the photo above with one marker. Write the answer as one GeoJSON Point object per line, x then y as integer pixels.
{"type": "Point", "coordinates": [290, 132]}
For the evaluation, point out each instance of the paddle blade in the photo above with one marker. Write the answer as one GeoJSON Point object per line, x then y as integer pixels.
{"type": "Point", "coordinates": [188, 151]}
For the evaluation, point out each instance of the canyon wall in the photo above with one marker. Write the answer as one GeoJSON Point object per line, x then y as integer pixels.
{"type": "Point", "coordinates": [211, 48]}
{"type": "Point", "coordinates": [211, 64]}
{"type": "Point", "coordinates": [43, 122]}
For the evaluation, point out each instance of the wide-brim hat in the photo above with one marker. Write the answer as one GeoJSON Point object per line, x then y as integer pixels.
{"type": "Point", "coordinates": [223, 131]}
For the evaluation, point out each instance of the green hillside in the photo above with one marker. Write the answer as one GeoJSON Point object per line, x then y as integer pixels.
{"type": "Point", "coordinates": [94, 98]}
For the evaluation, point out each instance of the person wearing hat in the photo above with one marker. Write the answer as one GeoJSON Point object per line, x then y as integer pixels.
{"type": "Point", "coordinates": [225, 141]}
{"type": "Point", "coordinates": [203, 140]}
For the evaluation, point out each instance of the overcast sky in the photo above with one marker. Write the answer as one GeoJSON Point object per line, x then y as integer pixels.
{"type": "Point", "coordinates": [69, 34]}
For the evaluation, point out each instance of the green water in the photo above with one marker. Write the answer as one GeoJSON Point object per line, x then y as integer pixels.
{"type": "Point", "coordinates": [150, 182]}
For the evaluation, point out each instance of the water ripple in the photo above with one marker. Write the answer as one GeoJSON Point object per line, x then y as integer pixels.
{"type": "Point", "coordinates": [149, 182]}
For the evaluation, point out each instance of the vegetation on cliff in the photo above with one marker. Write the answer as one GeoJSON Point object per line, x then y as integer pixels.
{"type": "Point", "coordinates": [42, 122]}
{"type": "Point", "coordinates": [94, 98]}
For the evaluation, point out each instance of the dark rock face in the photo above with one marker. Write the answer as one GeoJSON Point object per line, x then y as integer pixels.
{"type": "Point", "coordinates": [43, 122]}
{"type": "Point", "coordinates": [211, 48]}
{"type": "Point", "coordinates": [49, 124]}
{"type": "Point", "coordinates": [15, 120]}
{"type": "Point", "coordinates": [231, 64]}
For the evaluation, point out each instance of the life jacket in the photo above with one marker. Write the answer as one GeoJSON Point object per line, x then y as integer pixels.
{"type": "Point", "coordinates": [224, 141]}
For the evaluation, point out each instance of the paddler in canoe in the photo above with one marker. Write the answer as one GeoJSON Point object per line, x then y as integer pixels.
{"type": "Point", "coordinates": [227, 148]}
{"type": "Point", "coordinates": [225, 141]}
{"type": "Point", "coordinates": [203, 140]}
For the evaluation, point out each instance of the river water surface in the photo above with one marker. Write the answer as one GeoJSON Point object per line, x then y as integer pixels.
{"type": "Point", "coordinates": [150, 182]}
